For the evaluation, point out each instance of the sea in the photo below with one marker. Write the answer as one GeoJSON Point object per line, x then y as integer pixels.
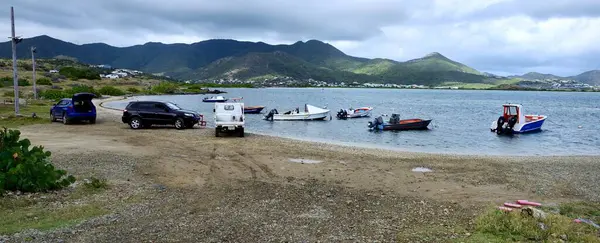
{"type": "Point", "coordinates": [461, 119]}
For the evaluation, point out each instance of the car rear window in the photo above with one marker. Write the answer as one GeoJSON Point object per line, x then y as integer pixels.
{"type": "Point", "coordinates": [229, 107]}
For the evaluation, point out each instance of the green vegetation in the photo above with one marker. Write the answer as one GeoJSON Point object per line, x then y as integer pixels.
{"type": "Point", "coordinates": [133, 90]}
{"type": "Point", "coordinates": [95, 184]}
{"type": "Point", "coordinates": [43, 81]}
{"type": "Point", "coordinates": [110, 90]}
{"type": "Point", "coordinates": [52, 94]}
{"type": "Point", "coordinates": [76, 73]}
{"type": "Point", "coordinates": [40, 108]}
{"type": "Point", "coordinates": [27, 169]}
{"type": "Point", "coordinates": [165, 88]}
{"type": "Point", "coordinates": [24, 215]}
{"type": "Point", "coordinates": [498, 226]}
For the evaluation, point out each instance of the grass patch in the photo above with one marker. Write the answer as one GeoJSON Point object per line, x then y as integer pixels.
{"type": "Point", "coordinates": [37, 217]}
{"type": "Point", "coordinates": [94, 184]}
{"type": "Point", "coordinates": [40, 108]}
{"type": "Point", "coordinates": [497, 226]}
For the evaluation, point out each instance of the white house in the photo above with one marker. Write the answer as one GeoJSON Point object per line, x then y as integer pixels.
{"type": "Point", "coordinates": [112, 76]}
{"type": "Point", "coordinates": [53, 71]}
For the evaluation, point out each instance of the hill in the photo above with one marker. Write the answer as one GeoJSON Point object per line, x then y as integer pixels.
{"type": "Point", "coordinates": [231, 59]}
{"type": "Point", "coordinates": [537, 76]}
{"type": "Point", "coordinates": [589, 77]}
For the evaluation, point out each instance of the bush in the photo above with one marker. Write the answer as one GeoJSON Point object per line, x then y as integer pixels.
{"type": "Point", "coordinates": [112, 91]}
{"type": "Point", "coordinates": [24, 82]}
{"type": "Point", "coordinates": [94, 183]}
{"type": "Point", "coordinates": [133, 90]}
{"type": "Point", "coordinates": [82, 89]}
{"type": "Point", "coordinates": [43, 81]}
{"type": "Point", "coordinates": [79, 73]}
{"type": "Point", "coordinates": [6, 79]}
{"type": "Point", "coordinates": [52, 94]}
{"type": "Point", "coordinates": [165, 88]}
{"type": "Point", "coordinates": [11, 94]}
{"type": "Point", "coordinates": [27, 169]}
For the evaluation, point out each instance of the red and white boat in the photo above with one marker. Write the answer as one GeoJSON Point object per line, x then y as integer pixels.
{"type": "Point", "coordinates": [354, 113]}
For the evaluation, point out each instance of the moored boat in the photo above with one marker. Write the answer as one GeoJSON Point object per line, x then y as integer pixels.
{"type": "Point", "coordinates": [395, 124]}
{"type": "Point", "coordinates": [253, 109]}
{"type": "Point", "coordinates": [514, 120]}
{"type": "Point", "coordinates": [214, 99]}
{"type": "Point", "coordinates": [309, 113]}
{"type": "Point", "coordinates": [354, 113]}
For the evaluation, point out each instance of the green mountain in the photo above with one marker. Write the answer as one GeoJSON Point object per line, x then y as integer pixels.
{"type": "Point", "coordinates": [589, 77]}
{"type": "Point", "coordinates": [231, 59]}
{"type": "Point", "coordinates": [540, 76]}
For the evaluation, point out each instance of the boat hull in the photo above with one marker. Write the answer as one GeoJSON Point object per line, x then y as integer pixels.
{"type": "Point", "coordinates": [358, 113]}
{"type": "Point", "coordinates": [416, 124]}
{"type": "Point", "coordinates": [531, 126]}
{"type": "Point", "coordinates": [253, 109]}
{"type": "Point", "coordinates": [301, 117]}
{"type": "Point", "coordinates": [214, 101]}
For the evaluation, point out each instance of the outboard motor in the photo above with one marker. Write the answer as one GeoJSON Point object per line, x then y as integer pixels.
{"type": "Point", "coordinates": [375, 123]}
{"type": "Point", "coordinates": [271, 114]}
{"type": "Point", "coordinates": [342, 114]}
{"type": "Point", "coordinates": [500, 125]}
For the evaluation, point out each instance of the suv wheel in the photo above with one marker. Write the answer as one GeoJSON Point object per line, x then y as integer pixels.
{"type": "Point", "coordinates": [217, 132]}
{"type": "Point", "coordinates": [135, 123]}
{"type": "Point", "coordinates": [241, 132]}
{"type": "Point", "coordinates": [64, 119]}
{"type": "Point", "coordinates": [52, 117]}
{"type": "Point", "coordinates": [179, 124]}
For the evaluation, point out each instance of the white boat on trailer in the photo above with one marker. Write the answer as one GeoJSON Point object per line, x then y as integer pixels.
{"type": "Point", "coordinates": [310, 113]}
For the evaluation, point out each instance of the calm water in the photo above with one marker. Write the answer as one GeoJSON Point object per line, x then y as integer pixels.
{"type": "Point", "coordinates": [461, 119]}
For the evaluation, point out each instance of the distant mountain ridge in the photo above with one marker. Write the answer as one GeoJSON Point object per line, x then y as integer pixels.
{"type": "Point", "coordinates": [590, 77]}
{"type": "Point", "coordinates": [231, 59]}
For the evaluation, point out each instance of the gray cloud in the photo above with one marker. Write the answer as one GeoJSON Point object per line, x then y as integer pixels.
{"type": "Point", "coordinates": [504, 35]}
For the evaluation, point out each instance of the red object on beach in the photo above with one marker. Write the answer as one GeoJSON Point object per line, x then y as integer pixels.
{"type": "Point", "coordinates": [505, 209]}
{"type": "Point", "coordinates": [525, 202]}
{"type": "Point", "coordinates": [512, 205]}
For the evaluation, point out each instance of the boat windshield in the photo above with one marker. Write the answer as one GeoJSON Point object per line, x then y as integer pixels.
{"type": "Point", "coordinates": [173, 106]}
{"type": "Point", "coordinates": [511, 111]}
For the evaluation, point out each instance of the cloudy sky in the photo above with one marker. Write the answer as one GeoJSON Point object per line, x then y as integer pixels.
{"type": "Point", "coordinates": [499, 36]}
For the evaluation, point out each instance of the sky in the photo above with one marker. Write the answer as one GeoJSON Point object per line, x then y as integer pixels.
{"type": "Point", "coordinates": [499, 36]}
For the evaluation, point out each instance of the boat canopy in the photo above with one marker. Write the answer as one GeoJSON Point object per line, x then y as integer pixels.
{"type": "Point", "coordinates": [313, 109]}
{"type": "Point", "coordinates": [513, 110]}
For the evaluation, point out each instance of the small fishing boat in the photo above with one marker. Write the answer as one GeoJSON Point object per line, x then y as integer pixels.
{"type": "Point", "coordinates": [395, 124]}
{"type": "Point", "coordinates": [253, 109]}
{"type": "Point", "coordinates": [214, 99]}
{"type": "Point", "coordinates": [309, 113]}
{"type": "Point", "coordinates": [354, 113]}
{"type": "Point", "coordinates": [513, 120]}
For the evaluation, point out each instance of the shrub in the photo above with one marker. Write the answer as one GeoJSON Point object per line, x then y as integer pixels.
{"type": "Point", "coordinates": [27, 169]}
{"type": "Point", "coordinates": [11, 93]}
{"type": "Point", "coordinates": [110, 90]}
{"type": "Point", "coordinates": [43, 81]}
{"type": "Point", "coordinates": [165, 88]}
{"type": "Point", "coordinates": [82, 89]}
{"type": "Point", "coordinates": [6, 79]}
{"type": "Point", "coordinates": [52, 94]}
{"type": "Point", "coordinates": [79, 73]}
{"type": "Point", "coordinates": [94, 183]}
{"type": "Point", "coordinates": [24, 82]}
{"type": "Point", "coordinates": [133, 90]}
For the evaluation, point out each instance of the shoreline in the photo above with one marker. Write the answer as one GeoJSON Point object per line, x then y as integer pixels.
{"type": "Point", "coordinates": [362, 145]}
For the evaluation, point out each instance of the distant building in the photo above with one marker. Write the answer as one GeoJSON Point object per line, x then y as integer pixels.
{"type": "Point", "coordinates": [112, 76]}
{"type": "Point", "coordinates": [53, 71]}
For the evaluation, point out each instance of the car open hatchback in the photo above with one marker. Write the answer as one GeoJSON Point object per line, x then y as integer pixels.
{"type": "Point", "coordinates": [78, 108]}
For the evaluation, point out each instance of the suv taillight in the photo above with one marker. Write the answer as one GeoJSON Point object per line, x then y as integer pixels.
{"type": "Point", "coordinates": [125, 110]}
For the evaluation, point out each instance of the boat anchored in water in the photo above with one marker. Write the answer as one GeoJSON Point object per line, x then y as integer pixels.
{"type": "Point", "coordinates": [214, 99]}
{"type": "Point", "coordinates": [310, 113]}
{"type": "Point", "coordinates": [513, 120]}
{"type": "Point", "coordinates": [249, 109]}
{"type": "Point", "coordinates": [395, 124]}
{"type": "Point", "coordinates": [354, 113]}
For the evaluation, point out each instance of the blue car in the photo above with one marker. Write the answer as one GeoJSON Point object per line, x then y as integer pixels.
{"type": "Point", "coordinates": [78, 108]}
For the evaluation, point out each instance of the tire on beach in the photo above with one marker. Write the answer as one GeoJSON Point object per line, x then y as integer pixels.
{"type": "Point", "coordinates": [180, 124]}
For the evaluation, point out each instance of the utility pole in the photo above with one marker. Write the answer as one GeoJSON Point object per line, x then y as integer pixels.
{"type": "Point", "coordinates": [15, 40]}
{"type": "Point", "coordinates": [33, 51]}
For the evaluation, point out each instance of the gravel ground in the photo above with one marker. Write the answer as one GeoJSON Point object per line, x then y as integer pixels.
{"type": "Point", "coordinates": [188, 186]}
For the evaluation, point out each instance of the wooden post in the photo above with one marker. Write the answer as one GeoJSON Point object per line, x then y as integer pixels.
{"type": "Point", "coordinates": [33, 64]}
{"type": "Point", "coordinates": [14, 57]}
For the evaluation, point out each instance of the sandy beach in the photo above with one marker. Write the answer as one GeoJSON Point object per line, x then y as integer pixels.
{"type": "Point", "coordinates": [169, 185]}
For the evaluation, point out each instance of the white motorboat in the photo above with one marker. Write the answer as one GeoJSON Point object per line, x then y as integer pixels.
{"type": "Point", "coordinates": [354, 113]}
{"type": "Point", "coordinates": [309, 113]}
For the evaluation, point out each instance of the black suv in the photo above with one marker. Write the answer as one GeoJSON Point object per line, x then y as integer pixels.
{"type": "Point", "coordinates": [140, 114]}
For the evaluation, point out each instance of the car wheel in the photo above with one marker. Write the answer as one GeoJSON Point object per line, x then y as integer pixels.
{"type": "Point", "coordinates": [93, 121]}
{"type": "Point", "coordinates": [64, 119]}
{"type": "Point", "coordinates": [52, 117]}
{"type": "Point", "coordinates": [216, 132]}
{"type": "Point", "coordinates": [241, 132]}
{"type": "Point", "coordinates": [179, 124]}
{"type": "Point", "coordinates": [135, 123]}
